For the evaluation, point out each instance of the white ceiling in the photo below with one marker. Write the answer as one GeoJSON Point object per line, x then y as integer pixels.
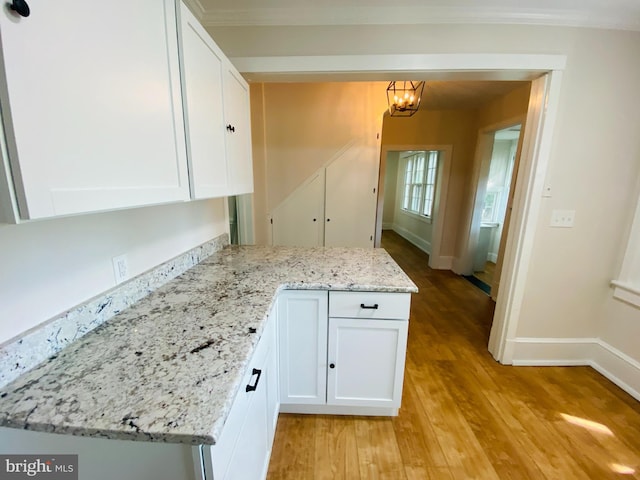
{"type": "Point", "coordinates": [617, 14]}
{"type": "Point", "coordinates": [455, 94]}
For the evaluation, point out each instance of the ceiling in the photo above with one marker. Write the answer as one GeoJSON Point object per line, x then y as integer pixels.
{"type": "Point", "coordinates": [616, 14]}
{"type": "Point", "coordinates": [456, 94]}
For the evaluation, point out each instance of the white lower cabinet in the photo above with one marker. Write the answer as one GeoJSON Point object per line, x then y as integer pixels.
{"type": "Point", "coordinates": [352, 365]}
{"type": "Point", "coordinates": [244, 448]}
{"type": "Point", "coordinates": [305, 361]}
{"type": "Point", "coordinates": [366, 362]}
{"type": "Point", "coordinates": [302, 325]}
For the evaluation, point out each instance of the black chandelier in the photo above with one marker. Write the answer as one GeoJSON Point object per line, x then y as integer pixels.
{"type": "Point", "coordinates": [404, 98]}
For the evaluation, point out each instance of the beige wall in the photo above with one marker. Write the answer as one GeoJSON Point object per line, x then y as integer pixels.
{"type": "Point", "coordinates": [52, 265]}
{"type": "Point", "coordinates": [390, 188]}
{"type": "Point", "coordinates": [438, 128]}
{"type": "Point", "coordinates": [510, 106]}
{"type": "Point", "coordinates": [594, 155]}
{"type": "Point", "coordinates": [299, 127]}
{"type": "Point", "coordinates": [258, 141]}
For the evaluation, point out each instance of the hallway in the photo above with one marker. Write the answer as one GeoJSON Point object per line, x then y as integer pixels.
{"type": "Point", "coordinates": [463, 415]}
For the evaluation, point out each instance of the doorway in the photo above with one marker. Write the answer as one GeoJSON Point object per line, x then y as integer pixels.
{"type": "Point", "coordinates": [413, 187]}
{"type": "Point", "coordinates": [545, 73]}
{"type": "Point", "coordinates": [240, 219]}
{"type": "Point", "coordinates": [494, 187]}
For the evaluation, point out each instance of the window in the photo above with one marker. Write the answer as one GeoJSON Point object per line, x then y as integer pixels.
{"type": "Point", "coordinates": [420, 182]}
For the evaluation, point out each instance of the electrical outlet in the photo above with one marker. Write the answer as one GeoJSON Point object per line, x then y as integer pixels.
{"type": "Point", "coordinates": [562, 218]}
{"type": "Point", "coordinates": [120, 268]}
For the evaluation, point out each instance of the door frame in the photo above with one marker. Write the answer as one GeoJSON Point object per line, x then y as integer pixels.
{"type": "Point", "coordinates": [481, 163]}
{"type": "Point", "coordinates": [436, 259]}
{"type": "Point", "coordinates": [545, 73]}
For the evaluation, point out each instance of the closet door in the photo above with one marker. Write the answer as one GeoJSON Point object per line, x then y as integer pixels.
{"type": "Point", "coordinates": [350, 200]}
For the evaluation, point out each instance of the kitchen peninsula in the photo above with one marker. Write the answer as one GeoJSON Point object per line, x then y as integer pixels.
{"type": "Point", "coordinates": [174, 367]}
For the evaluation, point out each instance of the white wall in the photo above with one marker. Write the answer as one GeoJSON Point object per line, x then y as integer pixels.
{"type": "Point", "coordinates": [594, 157]}
{"type": "Point", "coordinates": [47, 267]}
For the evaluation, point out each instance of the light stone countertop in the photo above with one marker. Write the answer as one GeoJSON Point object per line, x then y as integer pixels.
{"type": "Point", "coordinates": [167, 369]}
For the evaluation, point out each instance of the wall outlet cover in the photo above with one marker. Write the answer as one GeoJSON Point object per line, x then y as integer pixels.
{"type": "Point", "coordinates": [120, 268]}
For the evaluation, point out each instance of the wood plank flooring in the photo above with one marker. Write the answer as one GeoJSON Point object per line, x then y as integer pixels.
{"type": "Point", "coordinates": [463, 415]}
{"type": "Point", "coordinates": [486, 275]}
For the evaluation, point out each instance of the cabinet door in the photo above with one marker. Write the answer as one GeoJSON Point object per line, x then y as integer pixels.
{"type": "Point", "coordinates": [92, 107]}
{"type": "Point", "coordinates": [202, 97]}
{"type": "Point", "coordinates": [238, 127]}
{"type": "Point", "coordinates": [302, 321]}
{"type": "Point", "coordinates": [273, 386]}
{"type": "Point", "coordinates": [366, 362]}
{"type": "Point", "coordinates": [250, 458]}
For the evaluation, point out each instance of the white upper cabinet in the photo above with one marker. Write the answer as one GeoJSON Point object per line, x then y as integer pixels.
{"type": "Point", "coordinates": [92, 107]}
{"type": "Point", "coordinates": [237, 118]}
{"type": "Point", "coordinates": [202, 67]}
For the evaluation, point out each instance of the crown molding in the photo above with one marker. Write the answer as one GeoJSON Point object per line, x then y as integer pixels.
{"type": "Point", "coordinates": [305, 16]}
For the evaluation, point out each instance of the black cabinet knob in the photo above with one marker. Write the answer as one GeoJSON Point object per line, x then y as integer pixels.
{"type": "Point", "coordinates": [20, 7]}
{"type": "Point", "coordinates": [332, 365]}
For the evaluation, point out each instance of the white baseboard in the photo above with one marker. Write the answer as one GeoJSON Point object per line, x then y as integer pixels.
{"type": "Point", "coordinates": [441, 263]}
{"type": "Point", "coordinates": [413, 238]}
{"type": "Point", "coordinates": [339, 410]}
{"type": "Point", "coordinates": [610, 362]}
{"type": "Point", "coordinates": [387, 226]}
{"type": "Point", "coordinates": [552, 351]}
{"type": "Point", "coordinates": [492, 257]}
{"type": "Point", "coordinates": [618, 367]}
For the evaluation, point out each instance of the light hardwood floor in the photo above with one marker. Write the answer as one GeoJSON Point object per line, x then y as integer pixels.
{"type": "Point", "coordinates": [463, 415]}
{"type": "Point", "coordinates": [487, 274]}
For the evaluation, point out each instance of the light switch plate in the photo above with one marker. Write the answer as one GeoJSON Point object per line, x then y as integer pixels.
{"type": "Point", "coordinates": [562, 218]}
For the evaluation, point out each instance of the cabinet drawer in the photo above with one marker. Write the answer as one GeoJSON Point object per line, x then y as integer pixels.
{"type": "Point", "coordinates": [369, 305]}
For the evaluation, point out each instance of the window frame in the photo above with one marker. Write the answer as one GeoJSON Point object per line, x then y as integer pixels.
{"type": "Point", "coordinates": [423, 178]}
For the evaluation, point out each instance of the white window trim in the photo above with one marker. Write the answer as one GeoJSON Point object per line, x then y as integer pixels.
{"type": "Point", "coordinates": [418, 216]}
{"type": "Point", "coordinates": [410, 213]}
{"type": "Point", "coordinates": [627, 285]}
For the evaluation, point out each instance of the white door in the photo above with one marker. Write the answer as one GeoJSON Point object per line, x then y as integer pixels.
{"type": "Point", "coordinates": [298, 221]}
{"type": "Point", "coordinates": [302, 323]}
{"type": "Point", "coordinates": [202, 82]}
{"type": "Point", "coordinates": [92, 106]}
{"type": "Point", "coordinates": [238, 131]}
{"type": "Point", "coordinates": [351, 198]}
{"type": "Point", "coordinates": [366, 362]}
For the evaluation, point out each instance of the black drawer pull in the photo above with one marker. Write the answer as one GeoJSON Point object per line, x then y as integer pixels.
{"type": "Point", "coordinates": [370, 307]}
{"type": "Point", "coordinates": [252, 388]}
